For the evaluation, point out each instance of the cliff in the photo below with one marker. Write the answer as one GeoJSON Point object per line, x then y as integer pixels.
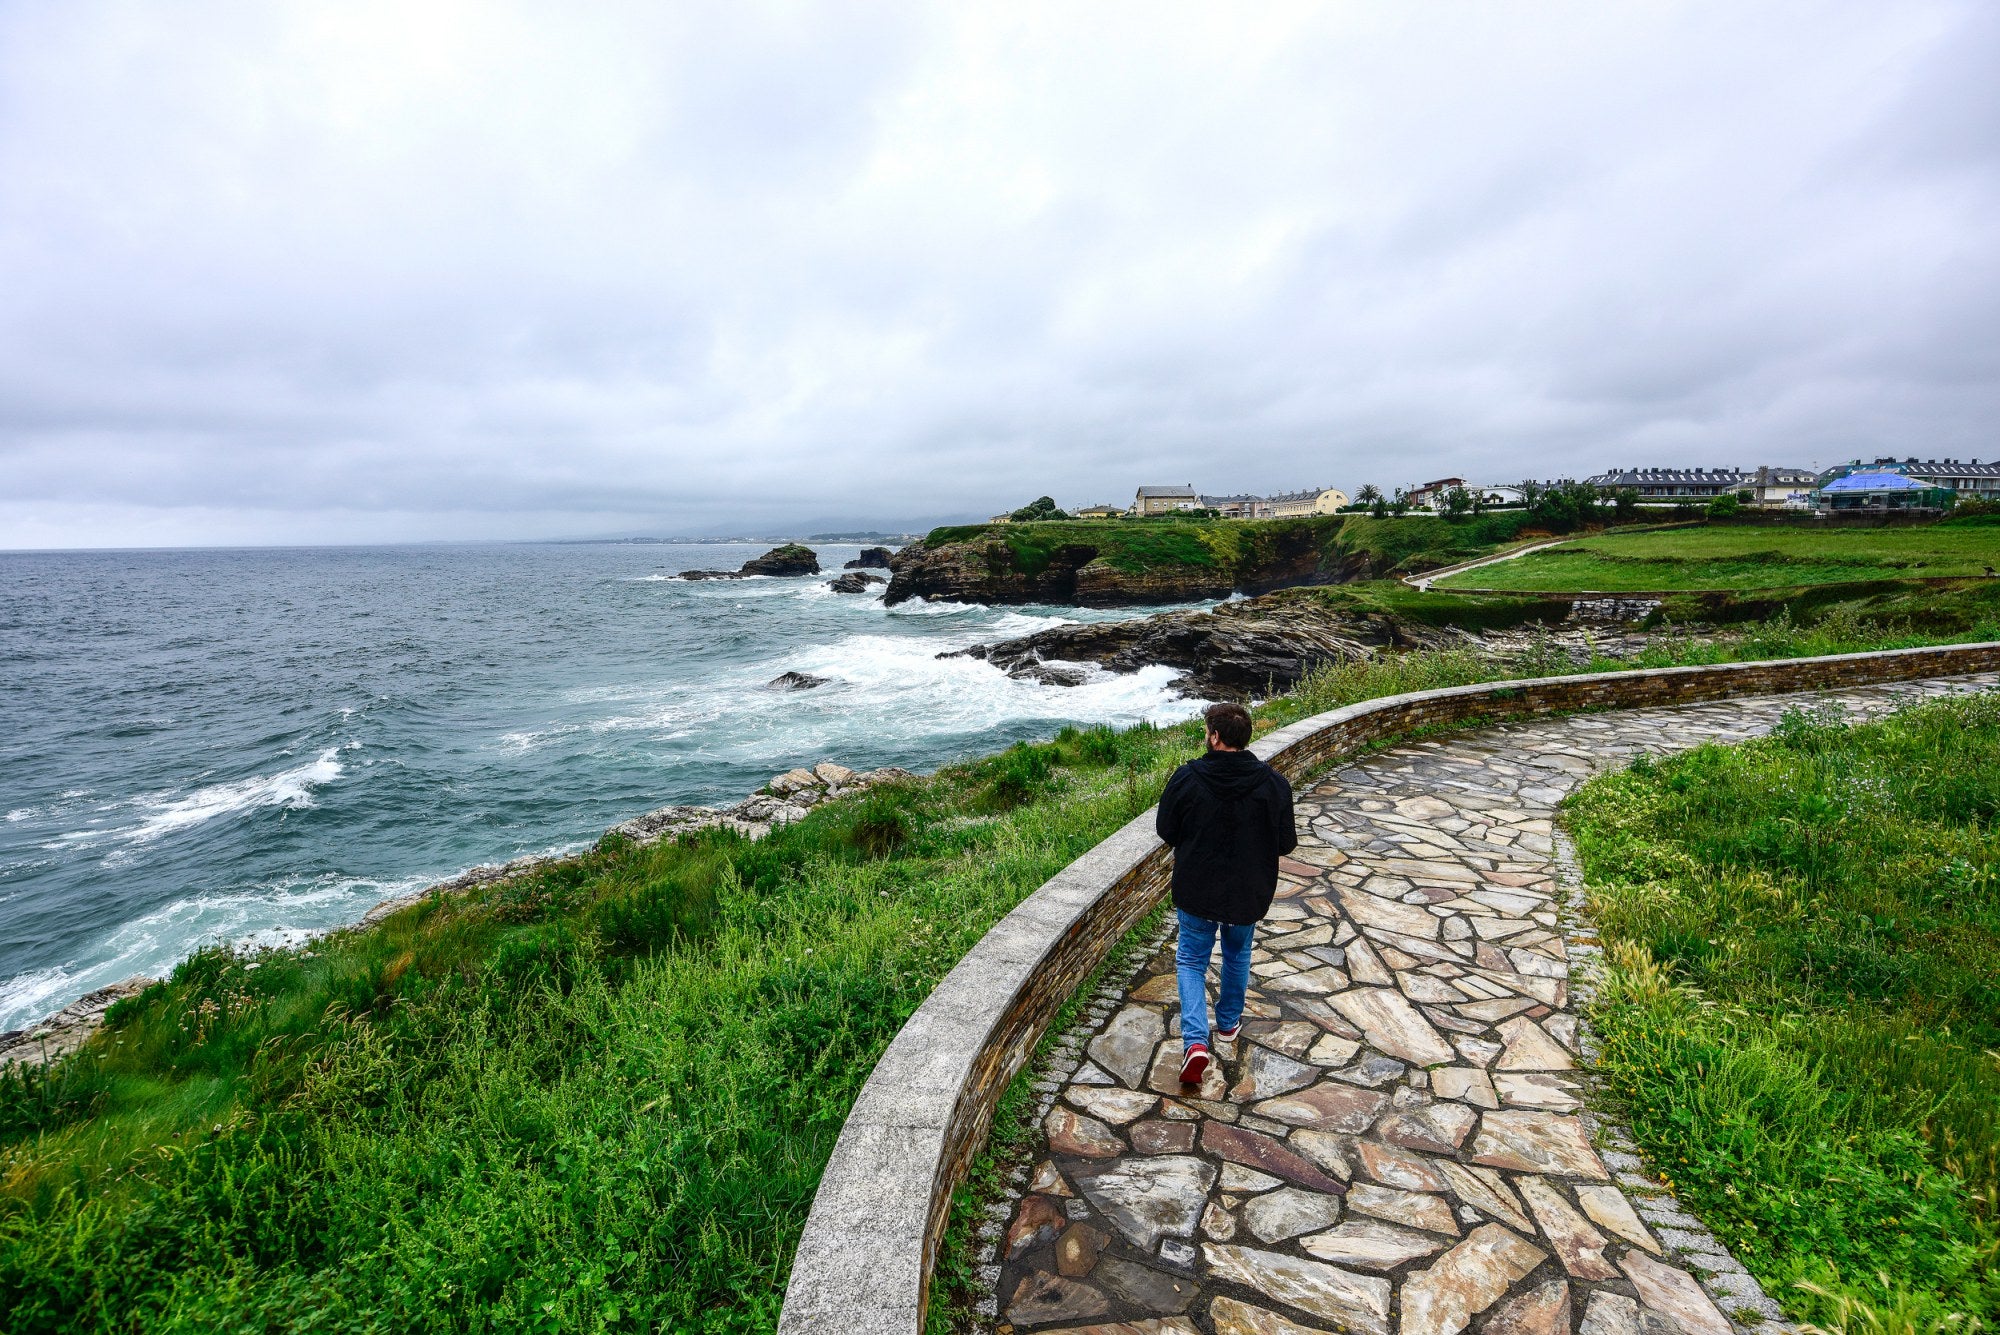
{"type": "Point", "coordinates": [1117, 563]}
{"type": "Point", "coordinates": [1125, 563]}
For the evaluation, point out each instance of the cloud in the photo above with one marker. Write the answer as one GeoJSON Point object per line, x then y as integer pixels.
{"type": "Point", "coordinates": [373, 272]}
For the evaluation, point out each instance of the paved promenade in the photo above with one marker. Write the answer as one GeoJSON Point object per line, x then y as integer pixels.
{"type": "Point", "coordinates": [1398, 1141]}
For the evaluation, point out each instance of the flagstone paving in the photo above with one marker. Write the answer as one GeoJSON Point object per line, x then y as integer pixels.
{"type": "Point", "coordinates": [1398, 1141]}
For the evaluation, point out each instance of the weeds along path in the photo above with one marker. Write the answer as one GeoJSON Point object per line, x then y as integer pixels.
{"type": "Point", "coordinates": [1401, 1138]}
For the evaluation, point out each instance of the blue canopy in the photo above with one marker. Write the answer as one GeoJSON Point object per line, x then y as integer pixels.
{"type": "Point", "coordinates": [1875, 482]}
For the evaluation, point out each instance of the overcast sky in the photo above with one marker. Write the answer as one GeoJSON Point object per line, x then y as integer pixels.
{"type": "Point", "coordinates": [379, 271]}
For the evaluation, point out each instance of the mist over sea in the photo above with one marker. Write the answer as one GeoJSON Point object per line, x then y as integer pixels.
{"type": "Point", "coordinates": [252, 745]}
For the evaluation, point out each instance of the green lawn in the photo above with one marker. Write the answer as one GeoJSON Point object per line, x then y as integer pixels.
{"type": "Point", "coordinates": [594, 1098]}
{"type": "Point", "coordinates": [1741, 558]}
{"type": "Point", "coordinates": [1803, 1009]}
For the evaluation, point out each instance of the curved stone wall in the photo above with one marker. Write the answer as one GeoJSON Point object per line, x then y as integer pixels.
{"type": "Point", "coordinates": [864, 1261]}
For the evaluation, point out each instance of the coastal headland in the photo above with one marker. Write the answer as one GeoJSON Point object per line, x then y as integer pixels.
{"type": "Point", "coordinates": [1123, 563]}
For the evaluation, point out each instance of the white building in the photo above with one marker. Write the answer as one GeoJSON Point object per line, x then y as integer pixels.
{"type": "Point", "coordinates": [1782, 488]}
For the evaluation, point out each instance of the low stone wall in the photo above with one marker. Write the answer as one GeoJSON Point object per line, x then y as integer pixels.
{"type": "Point", "coordinates": [864, 1262]}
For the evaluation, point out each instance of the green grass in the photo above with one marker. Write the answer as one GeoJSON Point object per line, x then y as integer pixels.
{"type": "Point", "coordinates": [1742, 558]}
{"type": "Point", "coordinates": [1803, 1013]}
{"type": "Point", "coordinates": [1945, 608]}
{"type": "Point", "coordinates": [595, 1097]}
{"type": "Point", "coordinates": [1467, 612]}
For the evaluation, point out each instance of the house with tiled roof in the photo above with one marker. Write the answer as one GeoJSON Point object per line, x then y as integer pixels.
{"type": "Point", "coordinates": [1165, 500]}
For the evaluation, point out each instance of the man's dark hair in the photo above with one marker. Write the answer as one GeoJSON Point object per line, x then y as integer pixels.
{"type": "Point", "coordinates": [1230, 723]}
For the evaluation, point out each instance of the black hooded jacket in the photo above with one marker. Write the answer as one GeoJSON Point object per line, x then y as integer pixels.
{"type": "Point", "coordinates": [1228, 816]}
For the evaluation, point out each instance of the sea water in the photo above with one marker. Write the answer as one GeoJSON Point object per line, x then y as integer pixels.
{"type": "Point", "coordinates": [252, 746]}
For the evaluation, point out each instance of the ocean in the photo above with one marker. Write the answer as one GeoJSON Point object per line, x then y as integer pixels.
{"type": "Point", "coordinates": [251, 746]}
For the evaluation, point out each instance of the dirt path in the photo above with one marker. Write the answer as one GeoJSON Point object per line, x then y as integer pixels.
{"type": "Point", "coordinates": [1422, 583]}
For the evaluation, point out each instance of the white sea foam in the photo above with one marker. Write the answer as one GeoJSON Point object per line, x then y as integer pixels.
{"type": "Point", "coordinates": [292, 788]}
{"type": "Point", "coordinates": [164, 814]}
{"type": "Point", "coordinates": [939, 607]}
{"type": "Point", "coordinates": [883, 686]}
{"type": "Point", "coordinates": [27, 997]}
{"type": "Point", "coordinates": [20, 813]}
{"type": "Point", "coordinates": [284, 913]}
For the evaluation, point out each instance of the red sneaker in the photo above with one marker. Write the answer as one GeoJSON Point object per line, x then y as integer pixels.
{"type": "Point", "coordinates": [1195, 1065]}
{"type": "Point", "coordinates": [1229, 1035]}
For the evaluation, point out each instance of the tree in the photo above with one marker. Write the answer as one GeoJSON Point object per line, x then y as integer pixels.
{"type": "Point", "coordinates": [1368, 495]}
{"type": "Point", "coordinates": [1625, 504]}
{"type": "Point", "coordinates": [1401, 505]}
{"type": "Point", "coordinates": [1724, 507]}
{"type": "Point", "coordinates": [1379, 507]}
{"type": "Point", "coordinates": [1565, 506]}
{"type": "Point", "coordinates": [1456, 502]}
{"type": "Point", "coordinates": [1041, 508]}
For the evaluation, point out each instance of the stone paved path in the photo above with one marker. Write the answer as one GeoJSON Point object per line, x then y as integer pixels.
{"type": "Point", "coordinates": [1397, 1141]}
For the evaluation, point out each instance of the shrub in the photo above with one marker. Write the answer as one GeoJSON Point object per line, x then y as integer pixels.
{"type": "Point", "coordinates": [882, 823]}
{"type": "Point", "coordinates": [1019, 774]}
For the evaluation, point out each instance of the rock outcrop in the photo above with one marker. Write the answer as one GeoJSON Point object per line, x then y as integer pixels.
{"type": "Point", "coordinates": [1251, 648]}
{"type": "Point", "coordinates": [65, 1031]}
{"type": "Point", "coordinates": [854, 581]}
{"type": "Point", "coordinates": [790, 559]}
{"type": "Point", "coordinates": [871, 558]}
{"type": "Point", "coordinates": [786, 798]}
{"type": "Point", "coordinates": [988, 569]}
{"type": "Point", "coordinates": [794, 681]}
{"type": "Point", "coordinates": [1254, 647]}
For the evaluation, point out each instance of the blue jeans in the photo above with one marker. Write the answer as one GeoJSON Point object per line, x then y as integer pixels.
{"type": "Point", "coordinates": [1191, 969]}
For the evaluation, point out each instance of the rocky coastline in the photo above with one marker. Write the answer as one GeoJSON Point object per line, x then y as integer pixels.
{"type": "Point", "coordinates": [1258, 647]}
{"type": "Point", "coordinates": [1253, 648]}
{"type": "Point", "coordinates": [68, 1029]}
{"type": "Point", "coordinates": [786, 798]}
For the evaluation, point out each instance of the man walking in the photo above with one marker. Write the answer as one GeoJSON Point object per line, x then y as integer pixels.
{"type": "Point", "coordinates": [1227, 816]}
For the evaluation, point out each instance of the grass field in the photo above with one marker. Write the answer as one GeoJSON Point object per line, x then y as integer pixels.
{"type": "Point", "coordinates": [1236, 546]}
{"type": "Point", "coordinates": [1803, 1013]}
{"type": "Point", "coordinates": [594, 1098]}
{"type": "Point", "coordinates": [1741, 558]}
